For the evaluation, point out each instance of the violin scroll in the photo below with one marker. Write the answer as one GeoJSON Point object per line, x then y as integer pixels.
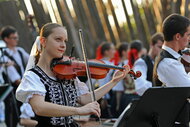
{"type": "Point", "coordinates": [135, 75]}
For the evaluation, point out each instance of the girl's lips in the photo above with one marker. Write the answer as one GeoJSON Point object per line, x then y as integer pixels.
{"type": "Point", "coordinates": [60, 50]}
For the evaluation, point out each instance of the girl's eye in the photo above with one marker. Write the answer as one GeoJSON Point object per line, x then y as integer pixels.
{"type": "Point", "coordinates": [58, 39]}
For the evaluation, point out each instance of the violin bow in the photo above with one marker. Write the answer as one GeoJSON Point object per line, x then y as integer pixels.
{"type": "Point", "coordinates": [91, 87]}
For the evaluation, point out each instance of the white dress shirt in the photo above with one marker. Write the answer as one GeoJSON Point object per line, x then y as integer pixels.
{"type": "Point", "coordinates": [109, 74]}
{"type": "Point", "coordinates": [141, 83]}
{"type": "Point", "coordinates": [15, 54]}
{"type": "Point", "coordinates": [172, 72]}
{"type": "Point", "coordinates": [120, 84]}
{"type": "Point", "coordinates": [107, 78]}
{"type": "Point", "coordinates": [12, 72]}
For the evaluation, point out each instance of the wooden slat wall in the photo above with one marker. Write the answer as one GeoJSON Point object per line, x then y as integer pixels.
{"type": "Point", "coordinates": [92, 17]}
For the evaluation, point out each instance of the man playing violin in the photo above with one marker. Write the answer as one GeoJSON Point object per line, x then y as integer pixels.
{"type": "Point", "coordinates": [54, 100]}
{"type": "Point", "coordinates": [168, 70]}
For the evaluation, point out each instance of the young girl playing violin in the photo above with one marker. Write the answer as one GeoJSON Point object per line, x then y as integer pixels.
{"type": "Point", "coordinates": [54, 100]}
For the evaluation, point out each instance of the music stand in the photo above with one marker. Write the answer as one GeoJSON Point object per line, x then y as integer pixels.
{"type": "Point", "coordinates": [158, 107]}
{"type": "Point", "coordinates": [5, 90]}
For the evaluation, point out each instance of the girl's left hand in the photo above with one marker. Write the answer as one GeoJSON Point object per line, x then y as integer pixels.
{"type": "Point", "coordinates": [119, 75]}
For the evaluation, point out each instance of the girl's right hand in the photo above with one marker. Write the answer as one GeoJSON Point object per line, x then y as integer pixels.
{"type": "Point", "coordinates": [89, 109]}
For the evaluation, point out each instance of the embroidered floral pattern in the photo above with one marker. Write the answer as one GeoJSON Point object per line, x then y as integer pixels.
{"type": "Point", "coordinates": [59, 92]}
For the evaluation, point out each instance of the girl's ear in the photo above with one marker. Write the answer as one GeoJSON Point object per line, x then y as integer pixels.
{"type": "Point", "coordinates": [43, 41]}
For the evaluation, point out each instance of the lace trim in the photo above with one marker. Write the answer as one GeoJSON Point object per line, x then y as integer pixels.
{"type": "Point", "coordinates": [31, 95]}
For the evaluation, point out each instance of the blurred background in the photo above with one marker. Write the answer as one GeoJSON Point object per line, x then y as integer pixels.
{"type": "Point", "coordinates": [101, 20]}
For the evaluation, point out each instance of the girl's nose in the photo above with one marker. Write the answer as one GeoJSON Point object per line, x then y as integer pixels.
{"type": "Point", "coordinates": [63, 45]}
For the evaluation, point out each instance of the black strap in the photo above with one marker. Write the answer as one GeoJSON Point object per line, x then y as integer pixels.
{"type": "Point", "coordinates": [22, 59]}
{"type": "Point", "coordinates": [16, 65]}
{"type": "Point", "coordinates": [150, 65]}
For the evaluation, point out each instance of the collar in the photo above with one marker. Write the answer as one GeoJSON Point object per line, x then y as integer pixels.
{"type": "Point", "coordinates": [11, 50]}
{"type": "Point", "coordinates": [171, 51]}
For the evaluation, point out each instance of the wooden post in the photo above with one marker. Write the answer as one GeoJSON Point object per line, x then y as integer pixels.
{"type": "Point", "coordinates": [158, 14]}
{"type": "Point", "coordinates": [166, 8]}
{"type": "Point", "coordinates": [23, 7]}
{"type": "Point", "coordinates": [90, 22]}
{"type": "Point", "coordinates": [83, 23]}
{"type": "Point", "coordinates": [132, 33]}
{"type": "Point", "coordinates": [187, 8]}
{"type": "Point", "coordinates": [107, 23]}
{"type": "Point", "coordinates": [96, 21]}
{"type": "Point", "coordinates": [121, 37]}
{"type": "Point", "coordinates": [175, 6]}
{"type": "Point", "coordinates": [139, 23]}
{"type": "Point", "coordinates": [39, 12]}
{"type": "Point", "coordinates": [149, 18]}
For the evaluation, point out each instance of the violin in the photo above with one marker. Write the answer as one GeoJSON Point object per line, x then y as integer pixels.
{"type": "Point", "coordinates": [186, 51]}
{"type": "Point", "coordinates": [70, 69]}
{"type": "Point", "coordinates": [184, 61]}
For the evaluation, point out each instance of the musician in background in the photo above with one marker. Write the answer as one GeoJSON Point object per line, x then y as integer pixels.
{"type": "Point", "coordinates": [14, 74]}
{"type": "Point", "coordinates": [135, 51]}
{"type": "Point", "coordinates": [2, 82]}
{"type": "Point", "coordinates": [168, 70]}
{"type": "Point", "coordinates": [145, 64]}
{"type": "Point", "coordinates": [124, 91]}
{"type": "Point", "coordinates": [2, 105]}
{"type": "Point", "coordinates": [107, 52]}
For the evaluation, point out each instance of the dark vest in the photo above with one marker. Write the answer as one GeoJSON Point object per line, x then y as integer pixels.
{"type": "Point", "coordinates": [161, 56]}
{"type": "Point", "coordinates": [59, 92]}
{"type": "Point", "coordinates": [150, 65]}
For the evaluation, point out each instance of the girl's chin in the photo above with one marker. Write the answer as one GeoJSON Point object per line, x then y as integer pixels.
{"type": "Point", "coordinates": [58, 56]}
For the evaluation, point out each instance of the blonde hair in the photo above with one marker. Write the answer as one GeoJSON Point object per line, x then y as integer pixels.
{"type": "Point", "coordinates": [45, 31]}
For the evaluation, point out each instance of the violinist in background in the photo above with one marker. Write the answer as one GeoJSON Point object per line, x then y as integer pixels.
{"type": "Point", "coordinates": [135, 52]}
{"type": "Point", "coordinates": [145, 64]}
{"type": "Point", "coordinates": [128, 56]}
{"type": "Point", "coordinates": [54, 100]}
{"type": "Point", "coordinates": [107, 52]}
{"type": "Point", "coordinates": [119, 89]}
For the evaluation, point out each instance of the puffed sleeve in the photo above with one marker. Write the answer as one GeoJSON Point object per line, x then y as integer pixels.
{"type": "Point", "coordinates": [81, 87]}
{"type": "Point", "coordinates": [29, 86]}
{"type": "Point", "coordinates": [26, 111]}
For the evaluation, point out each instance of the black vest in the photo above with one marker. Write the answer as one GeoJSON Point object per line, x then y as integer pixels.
{"type": "Point", "coordinates": [161, 56]}
{"type": "Point", "coordinates": [150, 65]}
{"type": "Point", "coordinates": [59, 92]}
